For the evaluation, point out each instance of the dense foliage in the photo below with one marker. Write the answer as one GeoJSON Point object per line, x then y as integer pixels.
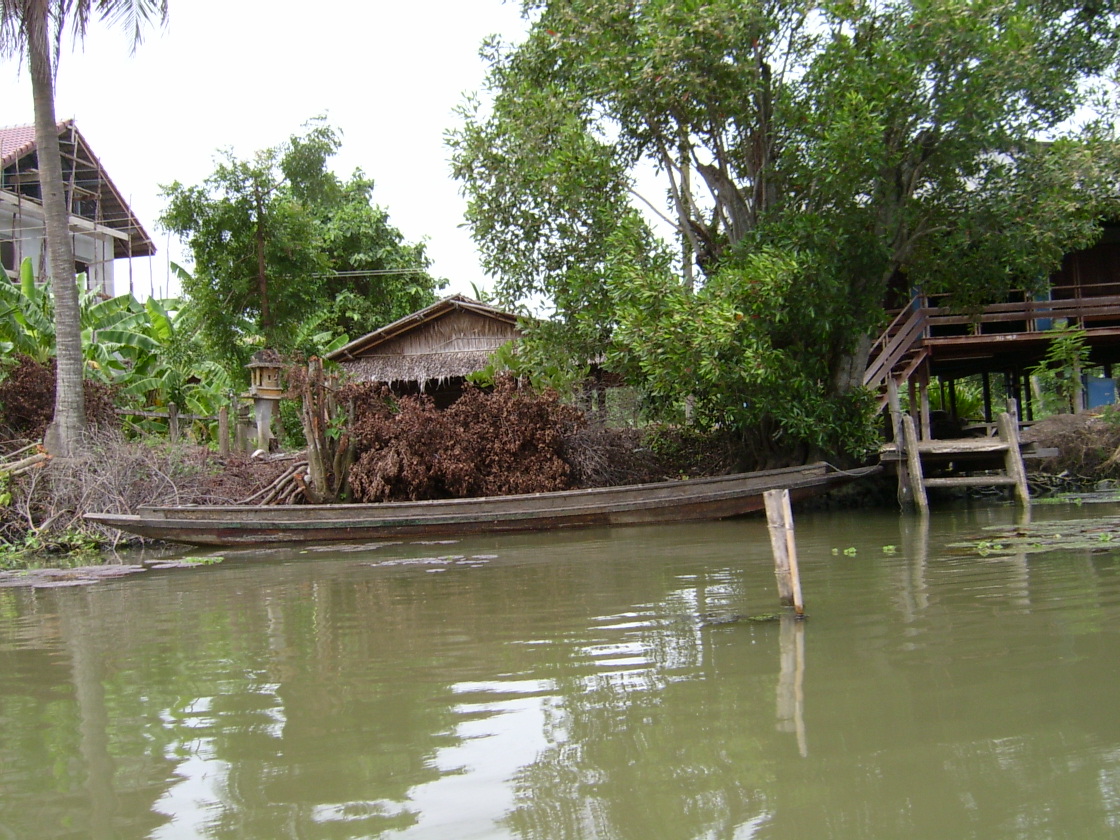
{"type": "Point", "coordinates": [151, 353]}
{"type": "Point", "coordinates": [815, 157]}
{"type": "Point", "coordinates": [284, 248]}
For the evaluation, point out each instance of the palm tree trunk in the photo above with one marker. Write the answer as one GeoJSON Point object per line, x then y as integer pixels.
{"type": "Point", "coordinates": [69, 406]}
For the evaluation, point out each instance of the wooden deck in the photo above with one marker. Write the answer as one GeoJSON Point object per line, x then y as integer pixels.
{"type": "Point", "coordinates": [927, 339]}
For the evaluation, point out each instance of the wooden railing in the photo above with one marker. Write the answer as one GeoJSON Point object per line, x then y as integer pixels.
{"type": "Point", "coordinates": [1081, 311]}
{"type": "Point", "coordinates": [896, 341]}
{"type": "Point", "coordinates": [916, 327]}
{"type": "Point", "coordinates": [173, 416]}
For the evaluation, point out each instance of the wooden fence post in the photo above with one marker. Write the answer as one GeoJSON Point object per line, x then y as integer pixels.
{"type": "Point", "coordinates": [239, 433]}
{"type": "Point", "coordinates": [173, 422]}
{"type": "Point", "coordinates": [779, 516]}
{"type": "Point", "coordinates": [223, 430]}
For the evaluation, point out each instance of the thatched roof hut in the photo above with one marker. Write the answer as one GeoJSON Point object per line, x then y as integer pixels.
{"type": "Point", "coordinates": [430, 351]}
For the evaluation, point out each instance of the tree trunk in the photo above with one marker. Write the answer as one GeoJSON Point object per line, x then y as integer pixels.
{"type": "Point", "coordinates": [262, 267]}
{"type": "Point", "coordinates": [69, 407]}
{"type": "Point", "coordinates": [849, 367]}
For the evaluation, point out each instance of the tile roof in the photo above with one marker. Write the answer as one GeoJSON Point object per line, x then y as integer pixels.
{"type": "Point", "coordinates": [16, 141]}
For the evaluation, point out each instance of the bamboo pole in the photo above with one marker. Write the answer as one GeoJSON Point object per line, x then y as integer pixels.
{"type": "Point", "coordinates": [24, 464]}
{"type": "Point", "coordinates": [779, 516]}
{"type": "Point", "coordinates": [12, 455]}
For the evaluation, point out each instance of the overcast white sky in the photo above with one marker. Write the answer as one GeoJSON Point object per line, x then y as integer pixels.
{"type": "Point", "coordinates": [247, 74]}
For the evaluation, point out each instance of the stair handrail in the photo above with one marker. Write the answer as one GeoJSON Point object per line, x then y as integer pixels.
{"type": "Point", "coordinates": [894, 342]}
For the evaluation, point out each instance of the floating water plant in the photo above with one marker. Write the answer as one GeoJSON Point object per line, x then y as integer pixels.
{"type": "Point", "coordinates": [1099, 534]}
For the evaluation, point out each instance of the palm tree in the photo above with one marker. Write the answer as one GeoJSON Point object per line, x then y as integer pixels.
{"type": "Point", "coordinates": [34, 29]}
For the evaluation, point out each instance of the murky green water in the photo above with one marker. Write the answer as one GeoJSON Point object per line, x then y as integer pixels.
{"type": "Point", "coordinates": [566, 686]}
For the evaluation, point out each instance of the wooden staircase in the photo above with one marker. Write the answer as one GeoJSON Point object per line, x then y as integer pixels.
{"type": "Point", "coordinates": [964, 462]}
{"type": "Point", "coordinates": [924, 463]}
{"type": "Point", "coordinates": [898, 351]}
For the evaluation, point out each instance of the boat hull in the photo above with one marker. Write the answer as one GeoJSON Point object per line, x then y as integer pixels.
{"type": "Point", "coordinates": [665, 502]}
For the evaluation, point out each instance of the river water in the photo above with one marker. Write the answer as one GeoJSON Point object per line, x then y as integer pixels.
{"type": "Point", "coordinates": [590, 684]}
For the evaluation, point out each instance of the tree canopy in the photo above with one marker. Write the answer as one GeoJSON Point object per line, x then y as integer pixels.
{"type": "Point", "coordinates": [808, 158]}
{"type": "Point", "coordinates": [281, 244]}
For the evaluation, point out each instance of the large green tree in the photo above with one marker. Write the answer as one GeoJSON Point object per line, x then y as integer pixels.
{"type": "Point", "coordinates": [279, 239]}
{"type": "Point", "coordinates": [805, 155]}
{"type": "Point", "coordinates": [35, 29]}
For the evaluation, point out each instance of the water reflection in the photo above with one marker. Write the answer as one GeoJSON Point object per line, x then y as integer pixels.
{"type": "Point", "coordinates": [791, 682]}
{"type": "Point", "coordinates": [566, 687]}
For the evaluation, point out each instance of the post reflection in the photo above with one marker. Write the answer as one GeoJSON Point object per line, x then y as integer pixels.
{"type": "Point", "coordinates": [791, 681]}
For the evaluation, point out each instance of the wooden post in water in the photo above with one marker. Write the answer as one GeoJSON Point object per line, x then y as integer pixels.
{"type": "Point", "coordinates": [905, 495]}
{"type": "Point", "coordinates": [914, 464]}
{"type": "Point", "coordinates": [779, 516]}
{"type": "Point", "coordinates": [1013, 458]}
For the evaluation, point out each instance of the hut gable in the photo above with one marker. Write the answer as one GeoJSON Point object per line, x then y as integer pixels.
{"type": "Point", "coordinates": [438, 345]}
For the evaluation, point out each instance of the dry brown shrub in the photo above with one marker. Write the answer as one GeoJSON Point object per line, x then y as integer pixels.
{"type": "Point", "coordinates": [27, 401]}
{"type": "Point", "coordinates": [488, 443]}
{"type": "Point", "coordinates": [509, 441]}
{"type": "Point", "coordinates": [398, 444]}
{"type": "Point", "coordinates": [600, 456]}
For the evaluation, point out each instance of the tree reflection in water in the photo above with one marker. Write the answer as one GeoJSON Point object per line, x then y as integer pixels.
{"type": "Point", "coordinates": [567, 689]}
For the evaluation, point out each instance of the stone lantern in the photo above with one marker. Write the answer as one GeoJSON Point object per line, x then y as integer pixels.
{"type": "Point", "coordinates": [265, 390]}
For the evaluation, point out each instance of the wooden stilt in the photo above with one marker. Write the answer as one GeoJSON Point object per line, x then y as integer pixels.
{"type": "Point", "coordinates": [779, 516]}
{"type": "Point", "coordinates": [914, 464]}
{"type": "Point", "coordinates": [905, 497]}
{"type": "Point", "coordinates": [923, 400]}
{"type": "Point", "coordinates": [1013, 458]}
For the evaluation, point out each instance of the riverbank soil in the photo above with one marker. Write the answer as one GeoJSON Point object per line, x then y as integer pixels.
{"type": "Point", "coordinates": [1088, 447]}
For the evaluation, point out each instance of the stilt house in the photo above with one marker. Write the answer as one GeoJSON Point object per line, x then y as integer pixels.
{"type": "Point", "coordinates": [431, 351]}
{"type": "Point", "coordinates": [929, 341]}
{"type": "Point", "coordinates": [102, 227]}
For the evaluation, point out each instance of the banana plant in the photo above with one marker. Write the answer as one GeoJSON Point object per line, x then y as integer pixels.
{"type": "Point", "coordinates": [111, 329]}
{"type": "Point", "coordinates": [27, 316]}
{"type": "Point", "coordinates": [172, 367]}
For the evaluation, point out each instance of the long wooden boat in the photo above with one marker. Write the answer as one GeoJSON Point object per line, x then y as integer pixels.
{"type": "Point", "coordinates": [663, 502]}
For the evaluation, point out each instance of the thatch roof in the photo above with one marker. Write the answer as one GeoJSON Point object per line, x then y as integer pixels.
{"type": "Point", "coordinates": [450, 339]}
{"type": "Point", "coordinates": [419, 367]}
